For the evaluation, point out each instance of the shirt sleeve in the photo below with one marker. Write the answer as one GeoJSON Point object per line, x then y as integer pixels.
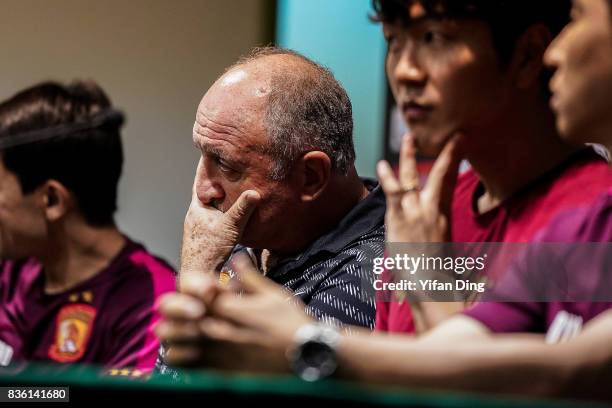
{"type": "Point", "coordinates": [515, 304]}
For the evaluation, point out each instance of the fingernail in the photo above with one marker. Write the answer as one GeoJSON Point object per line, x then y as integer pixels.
{"type": "Point", "coordinates": [380, 165]}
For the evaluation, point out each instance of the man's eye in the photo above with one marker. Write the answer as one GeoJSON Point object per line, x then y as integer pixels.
{"type": "Point", "coordinates": [224, 167]}
{"type": "Point", "coordinates": [393, 43]}
{"type": "Point", "coordinates": [433, 37]}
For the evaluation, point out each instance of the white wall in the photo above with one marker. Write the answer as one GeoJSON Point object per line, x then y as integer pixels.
{"type": "Point", "coordinates": [155, 58]}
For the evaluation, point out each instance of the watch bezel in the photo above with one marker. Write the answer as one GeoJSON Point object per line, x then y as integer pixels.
{"type": "Point", "coordinates": [323, 336]}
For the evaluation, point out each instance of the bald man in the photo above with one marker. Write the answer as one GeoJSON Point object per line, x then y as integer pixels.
{"type": "Point", "coordinates": [277, 181]}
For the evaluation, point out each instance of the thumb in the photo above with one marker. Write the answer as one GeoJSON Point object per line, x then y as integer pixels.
{"type": "Point", "coordinates": [201, 285]}
{"type": "Point", "coordinates": [240, 212]}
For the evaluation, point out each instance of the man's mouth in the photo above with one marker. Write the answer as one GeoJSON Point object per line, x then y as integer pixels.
{"type": "Point", "coordinates": [554, 99]}
{"type": "Point", "coordinates": [554, 102]}
{"type": "Point", "coordinates": [414, 112]}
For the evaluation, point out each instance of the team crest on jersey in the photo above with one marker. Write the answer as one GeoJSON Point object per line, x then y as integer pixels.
{"type": "Point", "coordinates": [73, 328]}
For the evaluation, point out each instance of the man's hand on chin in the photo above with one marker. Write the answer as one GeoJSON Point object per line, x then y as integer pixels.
{"type": "Point", "coordinates": [209, 235]}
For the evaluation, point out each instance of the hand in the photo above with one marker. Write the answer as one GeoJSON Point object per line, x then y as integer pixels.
{"type": "Point", "coordinates": [209, 235]}
{"type": "Point", "coordinates": [419, 215]}
{"type": "Point", "coordinates": [252, 332]}
{"type": "Point", "coordinates": [181, 313]}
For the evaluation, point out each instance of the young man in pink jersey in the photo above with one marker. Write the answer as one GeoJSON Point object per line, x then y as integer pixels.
{"type": "Point", "coordinates": [475, 68]}
{"type": "Point", "coordinates": [73, 288]}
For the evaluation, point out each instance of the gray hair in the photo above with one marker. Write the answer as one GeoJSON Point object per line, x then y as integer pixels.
{"type": "Point", "coordinates": [307, 110]}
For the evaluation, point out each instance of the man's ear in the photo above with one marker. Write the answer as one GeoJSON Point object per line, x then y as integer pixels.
{"type": "Point", "coordinates": [314, 172]}
{"type": "Point", "coordinates": [528, 57]}
{"type": "Point", "coordinates": [56, 199]}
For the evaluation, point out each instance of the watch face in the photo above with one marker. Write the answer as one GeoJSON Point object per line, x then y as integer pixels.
{"type": "Point", "coordinates": [316, 360]}
{"type": "Point", "coordinates": [314, 354]}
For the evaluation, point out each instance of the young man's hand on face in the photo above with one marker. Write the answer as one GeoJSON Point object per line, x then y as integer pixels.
{"type": "Point", "coordinates": [209, 235]}
{"type": "Point", "coordinates": [416, 215]}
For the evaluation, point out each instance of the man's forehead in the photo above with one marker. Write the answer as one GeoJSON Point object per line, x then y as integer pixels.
{"type": "Point", "coordinates": [417, 11]}
{"type": "Point", "coordinates": [236, 92]}
{"type": "Point", "coordinates": [207, 130]}
{"type": "Point", "coordinates": [217, 131]}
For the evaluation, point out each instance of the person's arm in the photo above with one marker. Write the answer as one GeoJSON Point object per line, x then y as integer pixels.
{"type": "Point", "coordinates": [428, 315]}
{"type": "Point", "coordinates": [478, 361]}
{"type": "Point", "coordinates": [459, 354]}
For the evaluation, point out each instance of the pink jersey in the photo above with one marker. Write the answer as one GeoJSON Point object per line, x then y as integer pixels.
{"type": "Point", "coordinates": [106, 320]}
{"type": "Point", "coordinates": [575, 183]}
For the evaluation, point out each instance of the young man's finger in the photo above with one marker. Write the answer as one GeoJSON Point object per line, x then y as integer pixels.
{"type": "Point", "coordinates": [203, 286]}
{"type": "Point", "coordinates": [174, 331]}
{"type": "Point", "coordinates": [181, 307]}
{"type": "Point", "coordinates": [222, 331]}
{"type": "Point", "coordinates": [389, 184]}
{"type": "Point", "coordinates": [251, 280]}
{"type": "Point", "coordinates": [408, 173]}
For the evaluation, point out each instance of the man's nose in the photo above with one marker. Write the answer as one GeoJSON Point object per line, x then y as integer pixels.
{"type": "Point", "coordinates": [553, 55]}
{"type": "Point", "coordinates": [207, 190]}
{"type": "Point", "coordinates": [409, 70]}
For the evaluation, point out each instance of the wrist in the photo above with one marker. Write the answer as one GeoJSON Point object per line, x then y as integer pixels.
{"type": "Point", "coordinates": [200, 257]}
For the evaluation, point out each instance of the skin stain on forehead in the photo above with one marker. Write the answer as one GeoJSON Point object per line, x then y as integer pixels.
{"type": "Point", "coordinates": [233, 77]}
{"type": "Point", "coordinates": [262, 91]}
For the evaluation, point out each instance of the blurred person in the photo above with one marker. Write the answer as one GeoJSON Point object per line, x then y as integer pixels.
{"type": "Point", "coordinates": [582, 82]}
{"type": "Point", "coordinates": [464, 352]}
{"type": "Point", "coordinates": [73, 287]}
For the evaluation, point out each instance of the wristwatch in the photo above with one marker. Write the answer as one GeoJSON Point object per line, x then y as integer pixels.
{"type": "Point", "coordinates": [313, 355]}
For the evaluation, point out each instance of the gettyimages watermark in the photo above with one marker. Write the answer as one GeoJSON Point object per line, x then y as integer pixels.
{"type": "Point", "coordinates": [429, 273]}
{"type": "Point", "coordinates": [501, 272]}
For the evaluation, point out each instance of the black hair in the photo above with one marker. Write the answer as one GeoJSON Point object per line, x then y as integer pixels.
{"type": "Point", "coordinates": [87, 160]}
{"type": "Point", "coordinates": [508, 19]}
{"type": "Point", "coordinates": [307, 109]}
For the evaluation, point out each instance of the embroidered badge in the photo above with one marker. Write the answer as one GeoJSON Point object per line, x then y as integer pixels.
{"type": "Point", "coordinates": [72, 331]}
